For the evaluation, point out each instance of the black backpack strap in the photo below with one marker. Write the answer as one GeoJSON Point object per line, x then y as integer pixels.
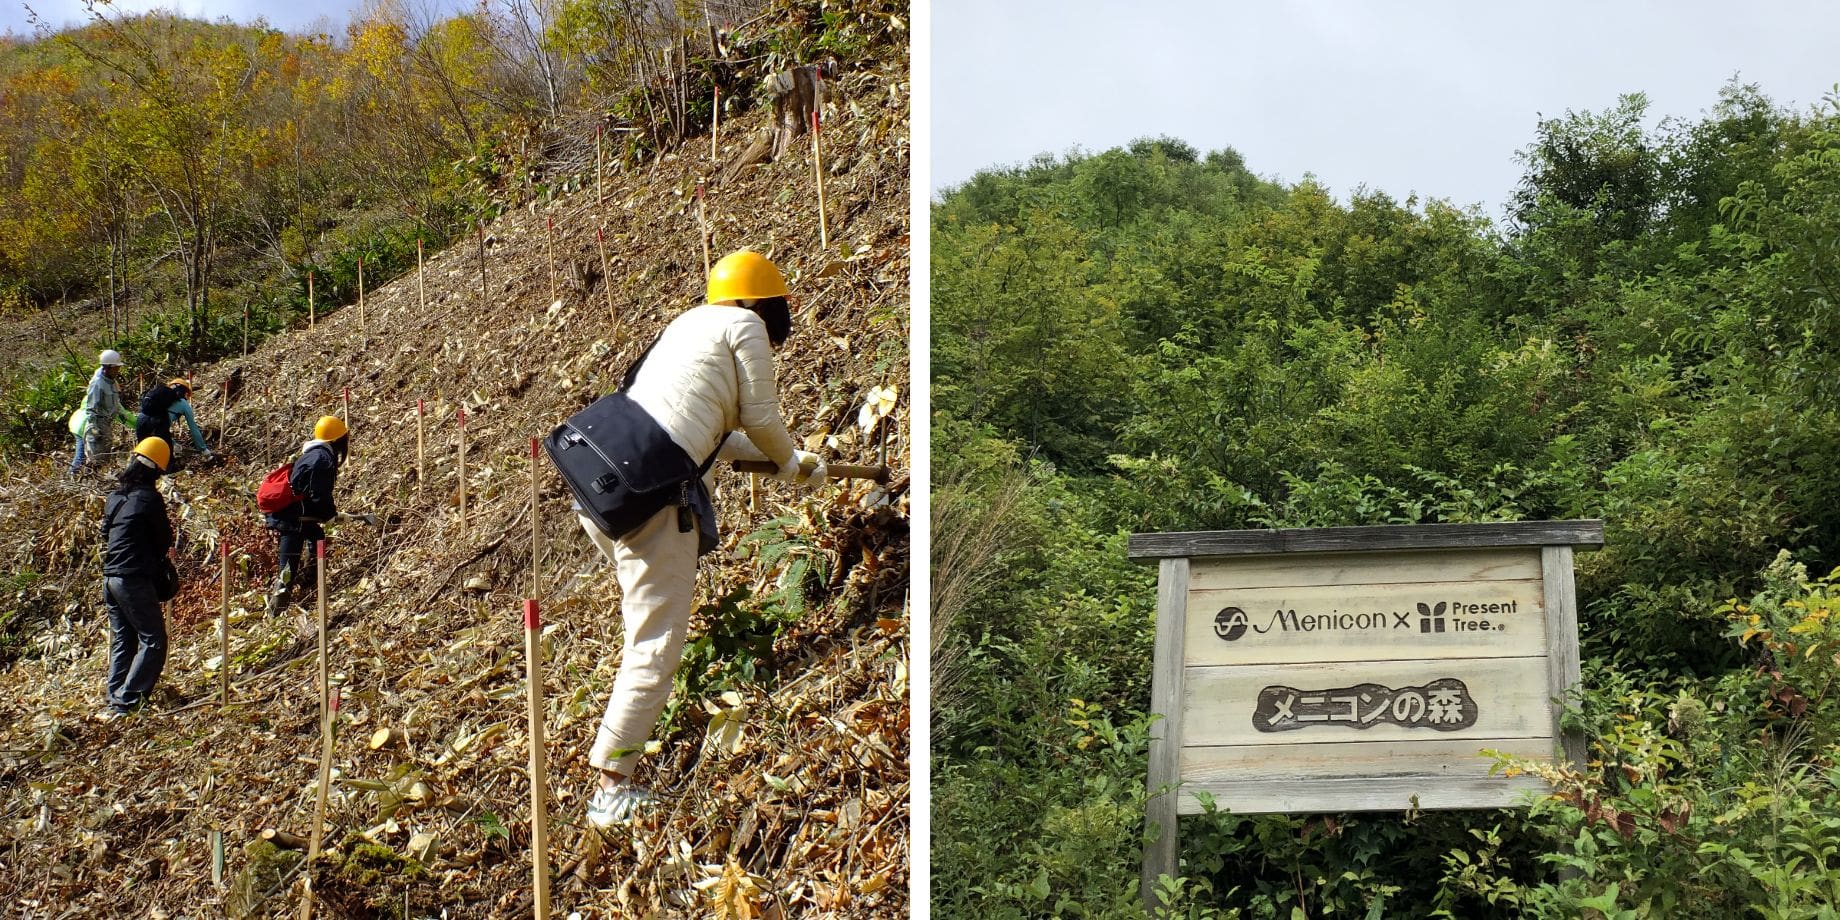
{"type": "Point", "coordinates": [632, 371]}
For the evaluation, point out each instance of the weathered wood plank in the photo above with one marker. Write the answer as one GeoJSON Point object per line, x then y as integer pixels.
{"type": "Point", "coordinates": [1268, 794]}
{"type": "Point", "coordinates": [1493, 564]}
{"type": "Point", "coordinates": [1146, 546]}
{"type": "Point", "coordinates": [1562, 641]}
{"type": "Point", "coordinates": [1219, 703]}
{"type": "Point", "coordinates": [1489, 619]}
{"type": "Point", "coordinates": [1438, 757]}
{"type": "Point", "coordinates": [1166, 694]}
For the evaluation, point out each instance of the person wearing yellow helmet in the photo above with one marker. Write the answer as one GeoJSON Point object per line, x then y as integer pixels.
{"type": "Point", "coordinates": [708, 382]}
{"type": "Point", "coordinates": [94, 422]}
{"type": "Point", "coordinates": [302, 523]}
{"type": "Point", "coordinates": [136, 536]}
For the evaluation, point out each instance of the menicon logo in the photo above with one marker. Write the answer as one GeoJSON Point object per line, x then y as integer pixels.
{"type": "Point", "coordinates": [1230, 623]}
{"type": "Point", "coordinates": [1431, 619]}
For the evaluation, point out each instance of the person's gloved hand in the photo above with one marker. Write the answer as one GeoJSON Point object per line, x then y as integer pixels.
{"type": "Point", "coordinates": [789, 471]}
{"type": "Point", "coordinates": [819, 470]}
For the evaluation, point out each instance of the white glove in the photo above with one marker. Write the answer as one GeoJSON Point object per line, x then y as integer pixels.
{"type": "Point", "coordinates": [819, 471]}
{"type": "Point", "coordinates": [789, 471]}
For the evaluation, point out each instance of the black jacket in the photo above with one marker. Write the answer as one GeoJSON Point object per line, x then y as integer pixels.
{"type": "Point", "coordinates": [312, 479]}
{"type": "Point", "coordinates": [135, 532]}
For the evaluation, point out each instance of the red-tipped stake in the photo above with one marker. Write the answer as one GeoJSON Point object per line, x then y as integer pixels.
{"type": "Point", "coordinates": [715, 129]}
{"type": "Point", "coordinates": [536, 527]}
{"type": "Point", "coordinates": [539, 808]}
{"type": "Point", "coordinates": [320, 570]}
{"type": "Point", "coordinates": [328, 706]}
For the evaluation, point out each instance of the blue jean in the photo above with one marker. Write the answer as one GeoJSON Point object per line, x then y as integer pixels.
{"type": "Point", "coordinates": [76, 466]}
{"type": "Point", "coordinates": [137, 639]}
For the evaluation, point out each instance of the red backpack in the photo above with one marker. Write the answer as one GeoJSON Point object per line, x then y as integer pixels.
{"type": "Point", "coordinates": [276, 494]}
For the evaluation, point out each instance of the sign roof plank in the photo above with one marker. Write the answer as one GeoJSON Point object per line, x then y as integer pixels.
{"type": "Point", "coordinates": [1200, 544]}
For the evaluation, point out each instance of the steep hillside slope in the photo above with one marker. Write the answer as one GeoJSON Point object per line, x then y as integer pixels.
{"type": "Point", "coordinates": [785, 769]}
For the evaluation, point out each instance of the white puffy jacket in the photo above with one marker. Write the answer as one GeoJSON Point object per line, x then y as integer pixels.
{"type": "Point", "coordinates": [711, 372]}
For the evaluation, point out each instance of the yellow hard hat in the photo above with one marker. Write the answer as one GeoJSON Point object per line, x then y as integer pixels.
{"type": "Point", "coordinates": [156, 450]}
{"type": "Point", "coordinates": [179, 383]}
{"type": "Point", "coordinates": [745, 275]}
{"type": "Point", "coordinates": [330, 428]}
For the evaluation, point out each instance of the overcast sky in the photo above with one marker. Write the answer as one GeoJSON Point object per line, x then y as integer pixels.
{"type": "Point", "coordinates": [1426, 97]}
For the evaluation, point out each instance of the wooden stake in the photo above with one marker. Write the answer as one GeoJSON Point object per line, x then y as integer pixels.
{"type": "Point", "coordinates": [223, 630]}
{"type": "Point", "coordinates": [600, 240]}
{"type": "Point", "coordinates": [361, 322]}
{"type": "Point", "coordinates": [245, 330]}
{"type": "Point", "coordinates": [702, 222]}
{"type": "Point", "coordinates": [462, 467]}
{"type": "Point", "coordinates": [223, 431]}
{"type": "Point", "coordinates": [536, 529]}
{"type": "Point", "coordinates": [217, 857]}
{"type": "Point", "coordinates": [715, 128]}
{"type": "Point", "coordinates": [311, 315]}
{"type": "Point", "coordinates": [753, 493]}
{"type": "Point", "coordinates": [549, 246]}
{"type": "Point", "coordinates": [319, 803]}
{"type": "Point", "coordinates": [600, 183]}
{"type": "Point", "coordinates": [539, 809]}
{"type": "Point", "coordinates": [421, 457]}
{"type": "Point", "coordinates": [347, 398]}
{"type": "Point", "coordinates": [421, 292]}
{"type": "Point", "coordinates": [817, 169]}
{"type": "Point", "coordinates": [485, 295]}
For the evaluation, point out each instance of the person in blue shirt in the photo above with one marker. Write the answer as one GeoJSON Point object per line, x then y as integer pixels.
{"type": "Point", "coordinates": [164, 405]}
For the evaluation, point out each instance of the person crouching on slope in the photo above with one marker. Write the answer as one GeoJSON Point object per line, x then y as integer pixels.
{"type": "Point", "coordinates": [302, 523]}
{"type": "Point", "coordinates": [94, 423]}
{"type": "Point", "coordinates": [162, 406]}
{"type": "Point", "coordinates": [136, 535]}
{"type": "Point", "coordinates": [709, 373]}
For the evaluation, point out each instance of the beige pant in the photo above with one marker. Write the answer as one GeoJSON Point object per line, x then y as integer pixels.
{"type": "Point", "coordinates": [656, 567]}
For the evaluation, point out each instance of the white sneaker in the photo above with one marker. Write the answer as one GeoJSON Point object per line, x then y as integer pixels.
{"type": "Point", "coordinates": [618, 805]}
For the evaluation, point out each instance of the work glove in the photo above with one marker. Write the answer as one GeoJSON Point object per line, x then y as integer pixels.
{"type": "Point", "coordinates": [791, 471]}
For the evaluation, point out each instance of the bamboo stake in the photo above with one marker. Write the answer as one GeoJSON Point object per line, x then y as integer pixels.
{"type": "Point", "coordinates": [421, 457]}
{"type": "Point", "coordinates": [817, 169]}
{"type": "Point", "coordinates": [485, 295]}
{"type": "Point", "coordinates": [536, 530]}
{"type": "Point", "coordinates": [223, 630]}
{"type": "Point", "coordinates": [245, 330]}
{"type": "Point", "coordinates": [715, 130]}
{"type": "Point", "coordinates": [600, 240]}
{"type": "Point", "coordinates": [421, 293]}
{"type": "Point", "coordinates": [600, 183]}
{"type": "Point", "coordinates": [361, 322]}
{"type": "Point", "coordinates": [319, 806]}
{"type": "Point", "coordinates": [223, 433]}
{"type": "Point", "coordinates": [311, 315]}
{"type": "Point", "coordinates": [702, 222]}
{"type": "Point", "coordinates": [539, 809]}
{"type": "Point", "coordinates": [217, 857]}
{"type": "Point", "coordinates": [347, 399]}
{"type": "Point", "coordinates": [549, 247]}
{"type": "Point", "coordinates": [462, 467]}
{"type": "Point", "coordinates": [320, 571]}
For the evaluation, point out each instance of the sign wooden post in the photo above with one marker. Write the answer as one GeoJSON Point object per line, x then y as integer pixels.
{"type": "Point", "coordinates": [421, 456]}
{"type": "Point", "coordinates": [539, 808]}
{"type": "Point", "coordinates": [600, 241]}
{"type": "Point", "coordinates": [462, 416]}
{"type": "Point", "coordinates": [311, 315]}
{"type": "Point", "coordinates": [817, 169]}
{"type": "Point", "coordinates": [1356, 668]}
{"type": "Point", "coordinates": [223, 629]}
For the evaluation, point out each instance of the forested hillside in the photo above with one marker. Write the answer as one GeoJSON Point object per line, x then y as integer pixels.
{"type": "Point", "coordinates": [1154, 338]}
{"type": "Point", "coordinates": [781, 763]}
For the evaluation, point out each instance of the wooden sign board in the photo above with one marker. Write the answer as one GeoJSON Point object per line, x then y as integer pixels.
{"type": "Point", "coordinates": [1357, 668]}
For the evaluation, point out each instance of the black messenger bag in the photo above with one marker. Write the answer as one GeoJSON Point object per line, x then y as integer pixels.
{"type": "Point", "coordinates": [621, 464]}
